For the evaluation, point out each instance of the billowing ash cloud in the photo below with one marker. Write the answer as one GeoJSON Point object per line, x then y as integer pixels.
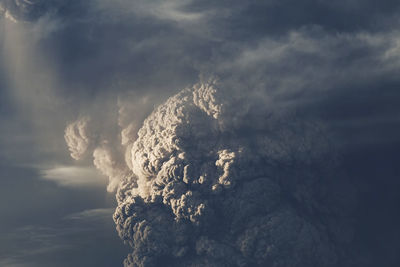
{"type": "Point", "coordinates": [78, 137]}
{"type": "Point", "coordinates": [107, 161]}
{"type": "Point", "coordinates": [213, 180]}
{"type": "Point", "coordinates": [81, 140]}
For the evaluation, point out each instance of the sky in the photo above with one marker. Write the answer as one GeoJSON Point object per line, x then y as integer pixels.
{"type": "Point", "coordinates": [102, 67]}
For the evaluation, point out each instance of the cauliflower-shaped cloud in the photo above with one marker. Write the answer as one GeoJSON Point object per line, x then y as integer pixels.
{"type": "Point", "coordinates": [107, 162]}
{"type": "Point", "coordinates": [81, 140]}
{"type": "Point", "coordinates": [210, 179]}
{"type": "Point", "coordinates": [209, 191]}
{"type": "Point", "coordinates": [78, 137]}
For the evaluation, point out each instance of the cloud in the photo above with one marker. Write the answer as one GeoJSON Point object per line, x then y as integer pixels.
{"type": "Point", "coordinates": [73, 176]}
{"type": "Point", "coordinates": [211, 184]}
{"type": "Point", "coordinates": [312, 60]}
{"type": "Point", "coordinates": [206, 171]}
{"type": "Point", "coordinates": [18, 9]}
{"type": "Point", "coordinates": [78, 138]}
{"type": "Point", "coordinates": [105, 160]}
{"type": "Point", "coordinates": [29, 10]}
{"type": "Point", "coordinates": [91, 214]}
{"type": "Point", "coordinates": [82, 139]}
{"type": "Point", "coordinates": [275, 58]}
{"type": "Point", "coordinates": [169, 11]}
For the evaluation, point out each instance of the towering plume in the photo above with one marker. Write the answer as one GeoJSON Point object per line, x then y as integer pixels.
{"type": "Point", "coordinates": [213, 180]}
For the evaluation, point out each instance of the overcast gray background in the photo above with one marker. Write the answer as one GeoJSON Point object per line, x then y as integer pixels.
{"type": "Point", "coordinates": [338, 62]}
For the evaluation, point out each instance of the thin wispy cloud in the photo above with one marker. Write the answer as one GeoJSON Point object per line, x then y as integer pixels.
{"type": "Point", "coordinates": [73, 176]}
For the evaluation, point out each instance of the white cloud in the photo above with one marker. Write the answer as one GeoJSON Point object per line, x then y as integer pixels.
{"type": "Point", "coordinates": [73, 176]}
{"type": "Point", "coordinates": [91, 214]}
{"type": "Point", "coordinates": [165, 10]}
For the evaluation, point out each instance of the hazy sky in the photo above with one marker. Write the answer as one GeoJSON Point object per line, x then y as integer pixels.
{"type": "Point", "coordinates": [337, 63]}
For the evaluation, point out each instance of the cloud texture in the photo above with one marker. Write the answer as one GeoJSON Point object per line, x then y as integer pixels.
{"type": "Point", "coordinates": [212, 183]}
{"type": "Point", "coordinates": [28, 10]}
{"type": "Point", "coordinates": [199, 165]}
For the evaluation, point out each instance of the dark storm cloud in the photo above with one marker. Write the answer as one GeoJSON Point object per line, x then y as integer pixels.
{"type": "Point", "coordinates": [255, 18]}
{"type": "Point", "coordinates": [157, 46]}
{"type": "Point", "coordinates": [32, 10]}
{"type": "Point", "coordinates": [301, 53]}
{"type": "Point", "coordinates": [335, 62]}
